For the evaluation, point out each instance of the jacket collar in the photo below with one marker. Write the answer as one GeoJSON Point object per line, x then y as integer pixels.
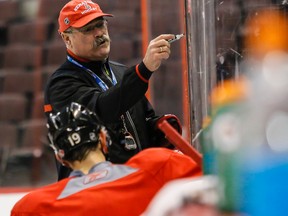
{"type": "Point", "coordinates": [95, 66]}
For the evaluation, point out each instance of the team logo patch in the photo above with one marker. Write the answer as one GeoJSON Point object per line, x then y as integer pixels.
{"type": "Point", "coordinates": [95, 176]}
{"type": "Point", "coordinates": [66, 21]}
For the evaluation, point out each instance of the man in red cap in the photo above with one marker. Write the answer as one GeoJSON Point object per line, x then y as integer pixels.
{"type": "Point", "coordinates": [116, 93]}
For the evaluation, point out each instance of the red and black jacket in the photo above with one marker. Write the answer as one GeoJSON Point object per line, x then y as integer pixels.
{"type": "Point", "coordinates": [71, 83]}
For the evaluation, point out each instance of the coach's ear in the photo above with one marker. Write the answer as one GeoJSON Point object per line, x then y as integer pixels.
{"type": "Point", "coordinates": [66, 39]}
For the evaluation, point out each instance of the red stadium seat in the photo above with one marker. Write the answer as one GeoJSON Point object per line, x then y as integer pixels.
{"type": "Point", "coordinates": [34, 133]}
{"type": "Point", "coordinates": [8, 134]}
{"type": "Point", "coordinates": [13, 107]}
{"type": "Point", "coordinates": [50, 9]}
{"type": "Point", "coordinates": [38, 104]}
{"type": "Point", "coordinates": [31, 32]}
{"type": "Point", "coordinates": [22, 56]}
{"type": "Point", "coordinates": [17, 81]}
{"type": "Point", "coordinates": [55, 53]}
{"type": "Point", "coordinates": [9, 10]}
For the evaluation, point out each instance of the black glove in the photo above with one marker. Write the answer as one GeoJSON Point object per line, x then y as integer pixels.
{"type": "Point", "coordinates": [158, 137]}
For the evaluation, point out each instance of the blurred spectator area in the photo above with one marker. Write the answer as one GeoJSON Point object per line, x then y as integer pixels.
{"type": "Point", "coordinates": [30, 50]}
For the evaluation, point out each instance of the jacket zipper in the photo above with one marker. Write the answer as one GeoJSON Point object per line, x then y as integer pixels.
{"type": "Point", "coordinates": [134, 130]}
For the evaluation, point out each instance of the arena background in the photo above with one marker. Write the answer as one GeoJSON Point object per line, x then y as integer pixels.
{"type": "Point", "coordinates": [31, 49]}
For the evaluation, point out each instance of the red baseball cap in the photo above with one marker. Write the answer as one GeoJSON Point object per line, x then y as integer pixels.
{"type": "Point", "coordinates": [78, 13]}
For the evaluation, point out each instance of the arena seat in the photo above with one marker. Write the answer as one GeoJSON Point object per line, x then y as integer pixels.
{"type": "Point", "coordinates": [13, 107]}
{"type": "Point", "coordinates": [27, 155]}
{"type": "Point", "coordinates": [33, 133]}
{"type": "Point", "coordinates": [50, 9]}
{"type": "Point", "coordinates": [17, 81]}
{"type": "Point", "coordinates": [22, 56]}
{"type": "Point", "coordinates": [29, 32]}
{"type": "Point", "coordinates": [9, 10]}
{"type": "Point", "coordinates": [38, 104]}
{"type": "Point", "coordinates": [33, 141]}
{"type": "Point", "coordinates": [54, 53]}
{"type": "Point", "coordinates": [8, 134]}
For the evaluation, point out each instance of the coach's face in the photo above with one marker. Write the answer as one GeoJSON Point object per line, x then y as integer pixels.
{"type": "Point", "coordinates": [91, 42]}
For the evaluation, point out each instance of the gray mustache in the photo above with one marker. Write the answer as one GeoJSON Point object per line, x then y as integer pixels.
{"type": "Point", "coordinates": [101, 40]}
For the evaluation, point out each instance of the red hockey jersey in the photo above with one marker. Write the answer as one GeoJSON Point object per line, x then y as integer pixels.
{"type": "Point", "coordinates": [110, 189]}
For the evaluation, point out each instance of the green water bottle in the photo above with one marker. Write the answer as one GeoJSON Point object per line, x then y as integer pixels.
{"type": "Point", "coordinates": [226, 134]}
{"type": "Point", "coordinates": [207, 148]}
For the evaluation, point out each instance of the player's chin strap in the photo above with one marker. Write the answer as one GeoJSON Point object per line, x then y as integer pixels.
{"type": "Point", "coordinates": [59, 153]}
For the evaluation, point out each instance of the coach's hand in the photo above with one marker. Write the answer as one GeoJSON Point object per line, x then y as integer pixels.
{"type": "Point", "coordinates": [157, 50]}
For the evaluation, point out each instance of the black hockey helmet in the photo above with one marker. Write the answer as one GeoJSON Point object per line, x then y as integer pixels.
{"type": "Point", "coordinates": [72, 127]}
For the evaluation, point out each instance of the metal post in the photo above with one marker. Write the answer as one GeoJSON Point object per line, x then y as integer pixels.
{"type": "Point", "coordinates": [200, 28]}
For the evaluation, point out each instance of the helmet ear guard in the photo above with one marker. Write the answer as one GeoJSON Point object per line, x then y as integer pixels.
{"type": "Point", "coordinates": [72, 127]}
{"type": "Point", "coordinates": [105, 140]}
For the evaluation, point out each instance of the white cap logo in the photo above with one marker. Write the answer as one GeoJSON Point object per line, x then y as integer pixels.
{"type": "Point", "coordinates": [86, 5]}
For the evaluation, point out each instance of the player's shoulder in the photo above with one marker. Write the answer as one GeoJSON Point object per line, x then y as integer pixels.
{"type": "Point", "coordinates": [39, 199]}
{"type": "Point", "coordinates": [157, 150]}
{"type": "Point", "coordinates": [155, 155]}
{"type": "Point", "coordinates": [161, 150]}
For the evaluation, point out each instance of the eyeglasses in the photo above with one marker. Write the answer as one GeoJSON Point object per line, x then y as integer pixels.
{"type": "Point", "coordinates": [90, 27]}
